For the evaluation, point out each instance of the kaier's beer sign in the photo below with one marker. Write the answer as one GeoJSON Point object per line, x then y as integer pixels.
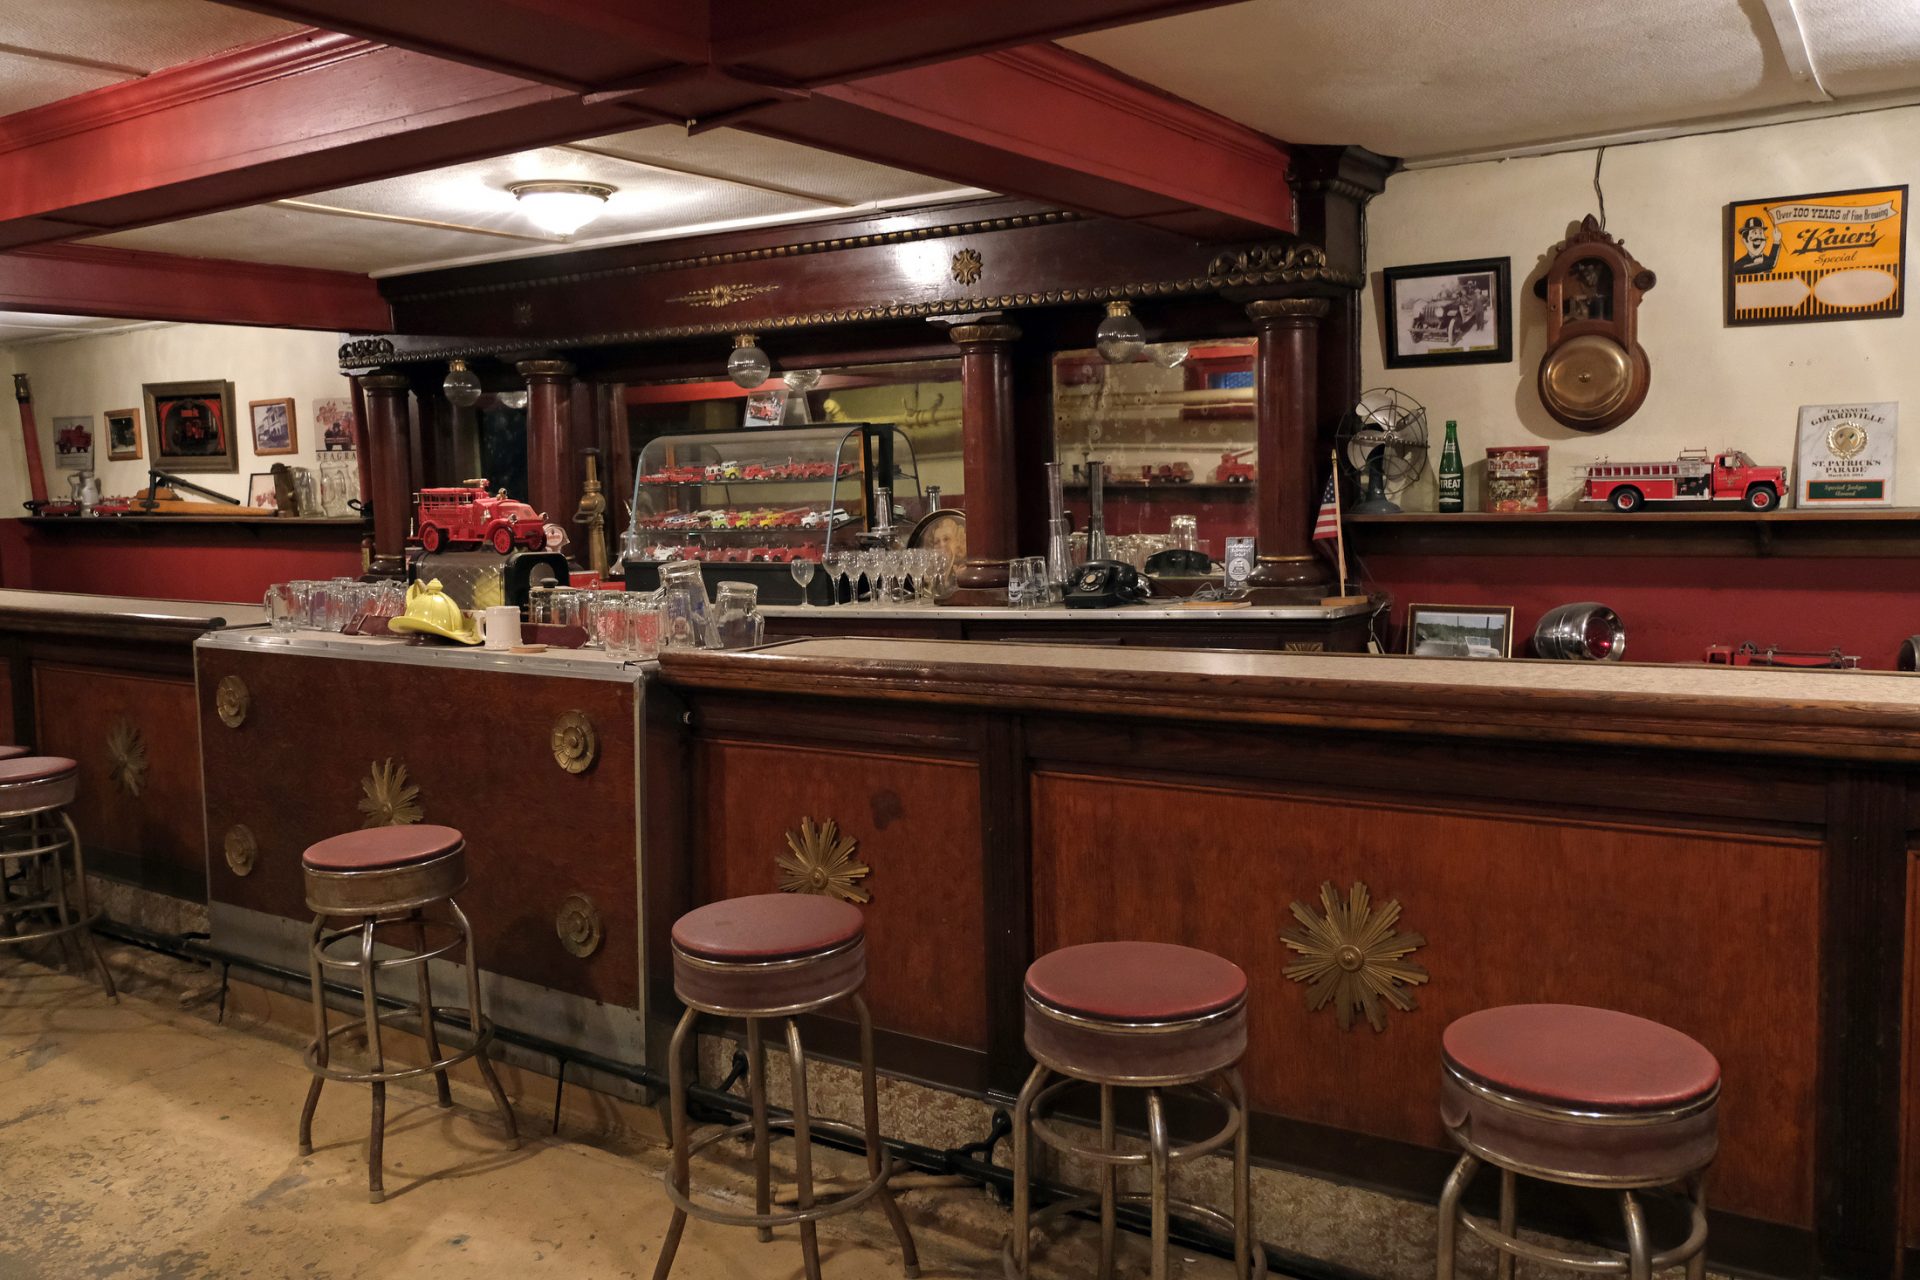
{"type": "Point", "coordinates": [1840, 255]}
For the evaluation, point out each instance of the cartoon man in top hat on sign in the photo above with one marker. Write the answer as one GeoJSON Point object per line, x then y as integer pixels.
{"type": "Point", "coordinates": [1761, 249]}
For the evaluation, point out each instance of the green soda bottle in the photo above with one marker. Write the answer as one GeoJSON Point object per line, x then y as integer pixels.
{"type": "Point", "coordinates": [1453, 479]}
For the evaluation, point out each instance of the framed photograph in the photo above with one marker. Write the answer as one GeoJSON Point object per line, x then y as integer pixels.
{"type": "Point", "coordinates": [333, 418]}
{"type": "Point", "coordinates": [766, 407]}
{"type": "Point", "coordinates": [73, 444]}
{"type": "Point", "coordinates": [260, 492]}
{"type": "Point", "coordinates": [273, 430]}
{"type": "Point", "coordinates": [1440, 313]}
{"type": "Point", "coordinates": [1835, 255]}
{"type": "Point", "coordinates": [190, 426]}
{"type": "Point", "coordinates": [123, 435]}
{"type": "Point", "coordinates": [1460, 630]}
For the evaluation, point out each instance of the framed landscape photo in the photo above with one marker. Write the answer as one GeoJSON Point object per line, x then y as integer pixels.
{"type": "Point", "coordinates": [1460, 630]}
{"type": "Point", "coordinates": [123, 435]}
{"type": "Point", "coordinates": [1441, 313]}
{"type": "Point", "coordinates": [1834, 255]}
{"type": "Point", "coordinates": [190, 426]}
{"type": "Point", "coordinates": [73, 444]}
{"type": "Point", "coordinates": [273, 429]}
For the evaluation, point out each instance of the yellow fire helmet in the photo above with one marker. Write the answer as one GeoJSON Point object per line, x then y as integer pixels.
{"type": "Point", "coordinates": [432, 612]}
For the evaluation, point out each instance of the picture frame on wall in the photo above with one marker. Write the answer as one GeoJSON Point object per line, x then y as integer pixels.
{"type": "Point", "coordinates": [73, 443]}
{"type": "Point", "coordinates": [123, 435]}
{"type": "Point", "coordinates": [1832, 255]}
{"type": "Point", "coordinates": [1460, 630]}
{"type": "Point", "coordinates": [190, 426]}
{"type": "Point", "coordinates": [333, 418]}
{"type": "Point", "coordinates": [274, 431]}
{"type": "Point", "coordinates": [1447, 313]}
{"type": "Point", "coordinates": [261, 495]}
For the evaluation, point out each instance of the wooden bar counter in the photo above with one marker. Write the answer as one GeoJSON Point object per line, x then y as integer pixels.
{"type": "Point", "coordinates": [1728, 851]}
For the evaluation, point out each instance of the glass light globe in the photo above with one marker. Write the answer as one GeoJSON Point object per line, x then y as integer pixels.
{"type": "Point", "coordinates": [561, 208]}
{"type": "Point", "coordinates": [747, 364]}
{"type": "Point", "coordinates": [1120, 336]}
{"type": "Point", "coordinates": [512, 399]}
{"type": "Point", "coordinates": [461, 387]}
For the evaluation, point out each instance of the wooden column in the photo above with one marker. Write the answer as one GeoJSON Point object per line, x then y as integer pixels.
{"type": "Point", "coordinates": [987, 444]}
{"type": "Point", "coordinates": [1290, 475]}
{"type": "Point", "coordinates": [390, 463]}
{"type": "Point", "coordinates": [549, 437]}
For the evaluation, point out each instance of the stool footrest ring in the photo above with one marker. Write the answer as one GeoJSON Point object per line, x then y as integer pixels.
{"type": "Point", "coordinates": [51, 931]}
{"type": "Point", "coordinates": [483, 1036]}
{"type": "Point", "coordinates": [1588, 1263]}
{"type": "Point", "coordinates": [727, 1217]}
{"type": "Point", "coordinates": [1043, 1128]}
{"type": "Point", "coordinates": [1257, 1256]}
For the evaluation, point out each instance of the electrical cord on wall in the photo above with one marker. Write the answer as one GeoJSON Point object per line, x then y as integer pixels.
{"type": "Point", "coordinates": [1599, 193]}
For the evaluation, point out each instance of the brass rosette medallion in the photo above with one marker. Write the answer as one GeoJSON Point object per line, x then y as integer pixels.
{"type": "Point", "coordinates": [967, 265]}
{"type": "Point", "coordinates": [578, 924]}
{"type": "Point", "coordinates": [574, 743]}
{"type": "Point", "coordinates": [127, 754]}
{"type": "Point", "coordinates": [820, 860]}
{"type": "Point", "coordinates": [387, 799]}
{"type": "Point", "coordinates": [232, 701]}
{"type": "Point", "coordinates": [1351, 956]}
{"type": "Point", "coordinates": [241, 849]}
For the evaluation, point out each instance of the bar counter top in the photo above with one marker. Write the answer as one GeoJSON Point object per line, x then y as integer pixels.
{"type": "Point", "coordinates": [1857, 714]}
{"type": "Point", "coordinates": [1059, 613]}
{"type": "Point", "coordinates": [590, 664]}
{"type": "Point", "coordinates": [65, 611]}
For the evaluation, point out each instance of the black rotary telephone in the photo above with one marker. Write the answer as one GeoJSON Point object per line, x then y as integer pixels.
{"type": "Point", "coordinates": [1102, 584]}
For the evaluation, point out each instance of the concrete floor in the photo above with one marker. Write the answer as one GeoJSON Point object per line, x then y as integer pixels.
{"type": "Point", "coordinates": [144, 1141]}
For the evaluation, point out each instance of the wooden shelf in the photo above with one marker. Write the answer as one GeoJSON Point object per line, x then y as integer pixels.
{"type": "Point", "coordinates": [1890, 533]}
{"type": "Point", "coordinates": [1171, 488]}
{"type": "Point", "coordinates": [256, 524]}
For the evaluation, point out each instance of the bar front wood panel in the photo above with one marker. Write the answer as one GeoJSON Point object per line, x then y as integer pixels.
{"type": "Point", "coordinates": [154, 839]}
{"type": "Point", "coordinates": [1716, 934]}
{"type": "Point", "coordinates": [917, 821]}
{"type": "Point", "coordinates": [476, 744]}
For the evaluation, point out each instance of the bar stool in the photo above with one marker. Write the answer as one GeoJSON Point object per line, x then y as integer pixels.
{"type": "Point", "coordinates": [39, 847]}
{"type": "Point", "coordinates": [11, 752]}
{"type": "Point", "coordinates": [1586, 1098]}
{"type": "Point", "coordinates": [1137, 1015]}
{"type": "Point", "coordinates": [389, 876]}
{"type": "Point", "coordinates": [775, 955]}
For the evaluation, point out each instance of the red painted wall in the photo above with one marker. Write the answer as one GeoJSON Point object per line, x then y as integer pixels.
{"type": "Point", "coordinates": [189, 562]}
{"type": "Point", "coordinates": [1674, 607]}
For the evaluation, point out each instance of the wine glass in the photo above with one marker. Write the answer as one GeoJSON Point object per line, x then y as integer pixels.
{"type": "Point", "coordinates": [802, 570]}
{"type": "Point", "coordinates": [835, 563]}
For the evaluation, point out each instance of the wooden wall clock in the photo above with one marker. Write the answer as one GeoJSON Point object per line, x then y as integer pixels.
{"type": "Point", "coordinates": [1594, 375]}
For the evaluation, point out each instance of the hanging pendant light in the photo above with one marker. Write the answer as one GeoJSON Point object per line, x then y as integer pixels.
{"type": "Point", "coordinates": [561, 208]}
{"type": "Point", "coordinates": [747, 364]}
{"type": "Point", "coordinates": [1120, 336]}
{"type": "Point", "coordinates": [461, 387]}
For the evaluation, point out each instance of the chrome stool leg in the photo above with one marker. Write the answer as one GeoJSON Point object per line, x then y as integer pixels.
{"type": "Point", "coordinates": [1639, 1249]}
{"type": "Point", "coordinates": [1450, 1214]}
{"type": "Point", "coordinates": [1022, 1168]}
{"type": "Point", "coordinates": [762, 1138]}
{"type": "Point", "coordinates": [483, 1029]}
{"type": "Point", "coordinates": [679, 1171]}
{"type": "Point", "coordinates": [1109, 1185]}
{"type": "Point", "coordinates": [1697, 1264]}
{"type": "Point", "coordinates": [1244, 1238]}
{"type": "Point", "coordinates": [1161, 1171]}
{"type": "Point", "coordinates": [322, 1040]}
{"type": "Point", "coordinates": [876, 1153]}
{"type": "Point", "coordinates": [85, 931]}
{"type": "Point", "coordinates": [369, 1000]}
{"type": "Point", "coordinates": [1509, 1218]}
{"type": "Point", "coordinates": [427, 1031]}
{"type": "Point", "coordinates": [803, 1151]}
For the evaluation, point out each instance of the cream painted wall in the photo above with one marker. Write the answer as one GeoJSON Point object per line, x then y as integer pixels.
{"type": "Point", "coordinates": [90, 375]}
{"type": "Point", "coordinates": [1712, 386]}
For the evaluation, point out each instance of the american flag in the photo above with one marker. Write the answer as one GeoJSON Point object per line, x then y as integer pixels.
{"type": "Point", "coordinates": [1327, 523]}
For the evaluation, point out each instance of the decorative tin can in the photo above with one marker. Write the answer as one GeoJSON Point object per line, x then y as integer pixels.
{"type": "Point", "coordinates": [1516, 478]}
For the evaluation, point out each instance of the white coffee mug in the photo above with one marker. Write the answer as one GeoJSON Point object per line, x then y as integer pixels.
{"type": "Point", "coordinates": [501, 626]}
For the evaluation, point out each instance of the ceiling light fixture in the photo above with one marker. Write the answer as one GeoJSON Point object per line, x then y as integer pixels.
{"type": "Point", "coordinates": [1120, 336]}
{"type": "Point", "coordinates": [461, 387]}
{"type": "Point", "coordinates": [747, 364]}
{"type": "Point", "coordinates": [561, 207]}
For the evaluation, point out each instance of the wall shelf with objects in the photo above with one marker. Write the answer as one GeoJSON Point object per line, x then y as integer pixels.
{"type": "Point", "coordinates": [1882, 534]}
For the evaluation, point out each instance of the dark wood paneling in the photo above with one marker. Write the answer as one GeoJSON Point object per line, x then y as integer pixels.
{"type": "Point", "coordinates": [1514, 909]}
{"type": "Point", "coordinates": [155, 838]}
{"type": "Point", "coordinates": [476, 744]}
{"type": "Point", "coordinates": [917, 821]}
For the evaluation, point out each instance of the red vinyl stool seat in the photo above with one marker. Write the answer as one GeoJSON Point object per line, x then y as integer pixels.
{"type": "Point", "coordinates": [43, 869]}
{"type": "Point", "coordinates": [1145, 1015]}
{"type": "Point", "coordinates": [773, 956]}
{"type": "Point", "coordinates": [383, 900]}
{"type": "Point", "coordinates": [1583, 1097]}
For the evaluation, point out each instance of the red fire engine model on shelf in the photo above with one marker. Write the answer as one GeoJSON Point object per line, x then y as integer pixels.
{"type": "Point", "coordinates": [1692, 477]}
{"type": "Point", "coordinates": [467, 515]}
{"type": "Point", "coordinates": [1752, 655]}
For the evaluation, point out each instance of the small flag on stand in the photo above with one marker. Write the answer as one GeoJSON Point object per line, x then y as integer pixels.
{"type": "Point", "coordinates": [1327, 523]}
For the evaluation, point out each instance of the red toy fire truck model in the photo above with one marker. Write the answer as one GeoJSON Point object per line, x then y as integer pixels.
{"type": "Point", "coordinates": [1730, 476]}
{"type": "Point", "coordinates": [1233, 471]}
{"type": "Point", "coordinates": [468, 515]}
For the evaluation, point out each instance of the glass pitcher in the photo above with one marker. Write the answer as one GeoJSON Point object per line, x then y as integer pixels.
{"type": "Point", "coordinates": [684, 595]}
{"type": "Point", "coordinates": [737, 623]}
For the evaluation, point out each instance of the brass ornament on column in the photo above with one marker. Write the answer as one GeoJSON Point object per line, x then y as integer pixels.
{"type": "Point", "coordinates": [578, 925]}
{"type": "Point", "coordinates": [387, 798]}
{"type": "Point", "coordinates": [231, 701]}
{"type": "Point", "coordinates": [967, 266]}
{"type": "Point", "coordinates": [127, 757]}
{"type": "Point", "coordinates": [821, 861]}
{"type": "Point", "coordinates": [1353, 957]}
{"type": "Point", "coordinates": [241, 849]}
{"type": "Point", "coordinates": [575, 745]}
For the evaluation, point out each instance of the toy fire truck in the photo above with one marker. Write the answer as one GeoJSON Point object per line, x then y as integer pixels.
{"type": "Point", "coordinates": [467, 515]}
{"type": "Point", "coordinates": [1694, 476]}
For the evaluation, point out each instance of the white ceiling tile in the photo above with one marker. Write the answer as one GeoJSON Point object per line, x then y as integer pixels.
{"type": "Point", "coordinates": [269, 233]}
{"type": "Point", "coordinates": [1862, 46]}
{"type": "Point", "coordinates": [29, 82]}
{"type": "Point", "coordinates": [754, 159]}
{"type": "Point", "coordinates": [141, 35]}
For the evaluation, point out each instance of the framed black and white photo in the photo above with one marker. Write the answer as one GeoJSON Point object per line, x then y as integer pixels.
{"type": "Point", "coordinates": [1440, 313]}
{"type": "Point", "coordinates": [1460, 630]}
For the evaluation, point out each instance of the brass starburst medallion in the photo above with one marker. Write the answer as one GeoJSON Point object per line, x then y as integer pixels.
{"type": "Point", "coordinates": [388, 799]}
{"type": "Point", "coordinates": [1352, 956]}
{"type": "Point", "coordinates": [723, 295]}
{"type": "Point", "coordinates": [231, 701]}
{"type": "Point", "coordinates": [821, 861]}
{"type": "Point", "coordinates": [129, 756]}
{"type": "Point", "coordinates": [967, 265]}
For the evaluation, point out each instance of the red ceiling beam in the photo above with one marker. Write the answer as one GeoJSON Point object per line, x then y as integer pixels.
{"type": "Point", "coordinates": [94, 281]}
